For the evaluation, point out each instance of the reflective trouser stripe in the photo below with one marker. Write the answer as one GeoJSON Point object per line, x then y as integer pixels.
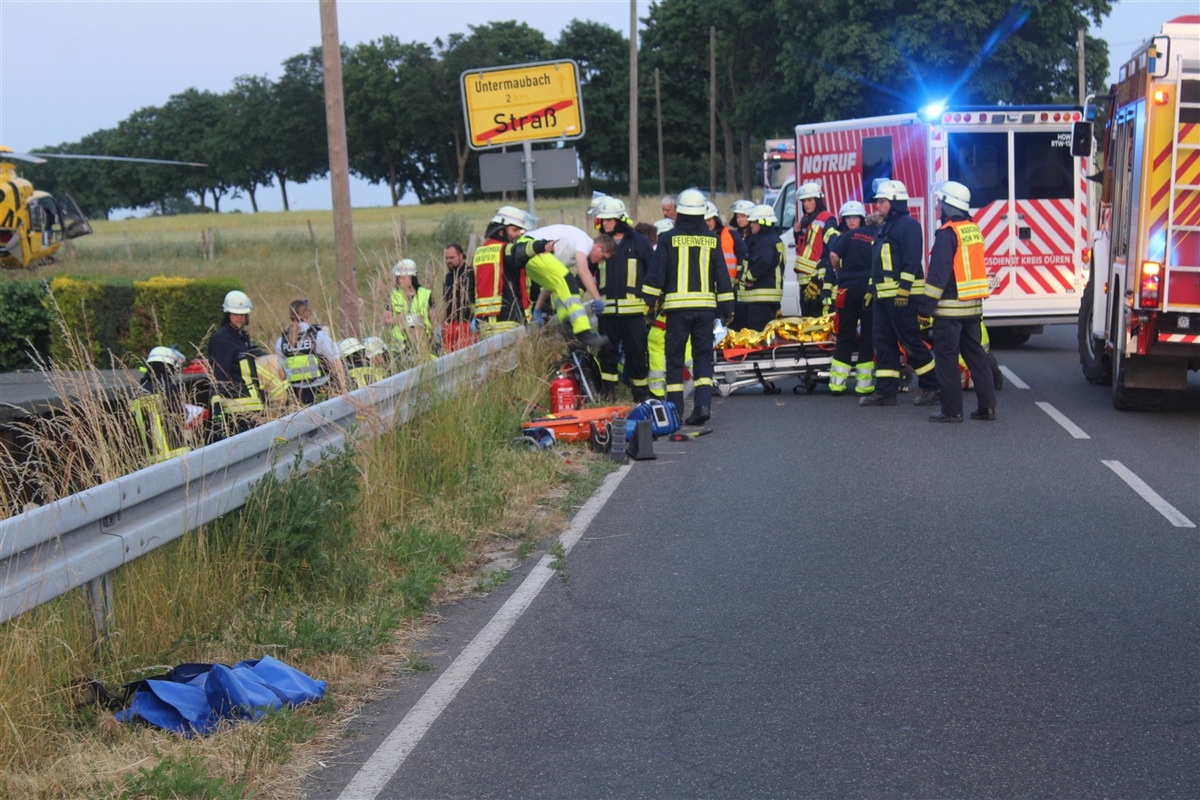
{"type": "Point", "coordinates": [839, 375]}
{"type": "Point", "coordinates": [675, 388]}
{"type": "Point", "coordinates": [488, 329]}
{"type": "Point", "coordinates": [923, 369]}
{"type": "Point", "coordinates": [864, 377]}
{"type": "Point", "coordinates": [887, 373]}
{"type": "Point", "coordinates": [573, 312]}
{"type": "Point", "coordinates": [610, 377]}
{"type": "Point", "coordinates": [702, 382]}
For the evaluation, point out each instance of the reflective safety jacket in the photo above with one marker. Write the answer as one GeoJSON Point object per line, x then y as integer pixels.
{"type": "Point", "coordinates": [762, 281]}
{"type": "Point", "coordinates": [896, 257]}
{"type": "Point", "coordinates": [301, 361]}
{"type": "Point", "coordinates": [500, 291]}
{"type": "Point", "coordinates": [816, 232]}
{"type": "Point", "coordinates": [414, 312]}
{"type": "Point", "coordinates": [688, 271]}
{"type": "Point", "coordinates": [958, 280]}
{"type": "Point", "coordinates": [734, 248]}
{"type": "Point", "coordinates": [620, 278]}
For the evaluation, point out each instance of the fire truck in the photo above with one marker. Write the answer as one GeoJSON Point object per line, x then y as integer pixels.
{"type": "Point", "coordinates": [778, 164]}
{"type": "Point", "coordinates": [1029, 194]}
{"type": "Point", "coordinates": [1139, 320]}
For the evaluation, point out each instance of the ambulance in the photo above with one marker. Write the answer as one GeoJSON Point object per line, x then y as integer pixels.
{"type": "Point", "coordinates": [1139, 320]}
{"type": "Point", "coordinates": [1029, 194]}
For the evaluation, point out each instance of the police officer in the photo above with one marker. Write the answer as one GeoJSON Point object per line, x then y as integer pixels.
{"type": "Point", "coordinates": [309, 354]}
{"type": "Point", "coordinates": [954, 291]}
{"type": "Point", "coordinates": [896, 274]}
{"type": "Point", "coordinates": [689, 277]}
{"type": "Point", "coordinates": [815, 230]}
{"type": "Point", "coordinates": [846, 289]}
{"type": "Point", "coordinates": [623, 316]}
{"type": "Point", "coordinates": [761, 290]}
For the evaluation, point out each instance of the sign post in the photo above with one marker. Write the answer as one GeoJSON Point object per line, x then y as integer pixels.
{"type": "Point", "coordinates": [522, 104]}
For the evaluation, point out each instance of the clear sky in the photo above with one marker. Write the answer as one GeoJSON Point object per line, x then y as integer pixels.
{"type": "Point", "coordinates": [71, 67]}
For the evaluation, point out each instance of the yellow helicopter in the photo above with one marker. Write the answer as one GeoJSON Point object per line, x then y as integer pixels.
{"type": "Point", "coordinates": [34, 224]}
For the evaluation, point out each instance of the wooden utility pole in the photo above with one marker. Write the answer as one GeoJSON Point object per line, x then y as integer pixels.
{"type": "Point", "coordinates": [662, 162]}
{"type": "Point", "coordinates": [633, 110]}
{"type": "Point", "coordinates": [1082, 78]}
{"type": "Point", "coordinates": [339, 170]}
{"type": "Point", "coordinates": [712, 110]}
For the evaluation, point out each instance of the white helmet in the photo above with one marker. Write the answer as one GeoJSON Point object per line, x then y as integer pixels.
{"type": "Point", "coordinates": [374, 346]}
{"type": "Point", "coordinates": [166, 355]}
{"type": "Point", "coordinates": [891, 190]}
{"type": "Point", "coordinates": [763, 215]}
{"type": "Point", "coordinates": [237, 303]}
{"type": "Point", "coordinates": [710, 210]}
{"type": "Point", "coordinates": [663, 225]}
{"type": "Point", "coordinates": [809, 189]}
{"type": "Point", "coordinates": [405, 266]}
{"type": "Point", "coordinates": [510, 215]}
{"type": "Point", "coordinates": [691, 201]}
{"type": "Point", "coordinates": [955, 195]}
{"type": "Point", "coordinates": [610, 208]}
{"type": "Point", "coordinates": [348, 347]}
{"type": "Point", "coordinates": [852, 208]}
{"type": "Point", "coordinates": [592, 206]}
{"type": "Point", "coordinates": [741, 207]}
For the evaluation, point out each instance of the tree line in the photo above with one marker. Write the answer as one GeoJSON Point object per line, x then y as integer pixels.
{"type": "Point", "coordinates": [777, 63]}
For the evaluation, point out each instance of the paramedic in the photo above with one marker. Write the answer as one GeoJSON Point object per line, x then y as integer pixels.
{"type": "Point", "coordinates": [408, 309]}
{"type": "Point", "coordinates": [572, 246]}
{"type": "Point", "coordinates": [846, 289]}
{"type": "Point", "coordinates": [896, 273]}
{"type": "Point", "coordinates": [688, 275]}
{"type": "Point", "coordinates": [815, 230]}
{"type": "Point", "coordinates": [954, 292]}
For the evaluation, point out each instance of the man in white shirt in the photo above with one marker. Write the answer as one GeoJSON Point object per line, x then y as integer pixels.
{"type": "Point", "coordinates": [572, 246]}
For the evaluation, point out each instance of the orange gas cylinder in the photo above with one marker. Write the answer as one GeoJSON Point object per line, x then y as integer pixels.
{"type": "Point", "coordinates": [562, 394]}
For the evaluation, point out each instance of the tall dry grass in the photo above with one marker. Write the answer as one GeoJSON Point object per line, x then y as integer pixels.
{"type": "Point", "coordinates": [323, 571]}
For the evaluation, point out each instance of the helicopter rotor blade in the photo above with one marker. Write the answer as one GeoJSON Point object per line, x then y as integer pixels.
{"type": "Point", "coordinates": [31, 159]}
{"type": "Point", "coordinates": [42, 156]}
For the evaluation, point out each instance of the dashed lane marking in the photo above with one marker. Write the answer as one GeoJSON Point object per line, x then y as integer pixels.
{"type": "Point", "coordinates": [1012, 378]}
{"type": "Point", "coordinates": [1173, 515]}
{"type": "Point", "coordinates": [1062, 420]}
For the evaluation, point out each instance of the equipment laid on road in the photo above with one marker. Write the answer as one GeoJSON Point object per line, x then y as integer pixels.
{"type": "Point", "coordinates": [1139, 320]}
{"type": "Point", "coordinates": [683, 437]}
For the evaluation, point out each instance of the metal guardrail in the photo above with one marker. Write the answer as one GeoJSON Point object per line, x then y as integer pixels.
{"type": "Point", "coordinates": [79, 540]}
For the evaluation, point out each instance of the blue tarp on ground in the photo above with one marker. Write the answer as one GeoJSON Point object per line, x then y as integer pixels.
{"type": "Point", "coordinates": [195, 698]}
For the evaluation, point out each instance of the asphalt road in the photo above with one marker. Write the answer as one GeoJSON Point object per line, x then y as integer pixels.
{"type": "Point", "coordinates": [827, 601]}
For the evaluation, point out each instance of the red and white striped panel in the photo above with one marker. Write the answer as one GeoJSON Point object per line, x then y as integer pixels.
{"type": "Point", "coordinates": [1180, 338]}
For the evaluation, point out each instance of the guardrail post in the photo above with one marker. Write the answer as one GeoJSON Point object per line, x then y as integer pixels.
{"type": "Point", "coordinates": [100, 598]}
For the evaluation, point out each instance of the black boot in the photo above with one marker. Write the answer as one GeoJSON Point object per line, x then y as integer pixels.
{"type": "Point", "coordinates": [699, 416]}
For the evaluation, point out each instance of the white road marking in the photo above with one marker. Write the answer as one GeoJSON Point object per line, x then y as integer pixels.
{"type": "Point", "coordinates": [1062, 420]}
{"type": "Point", "coordinates": [1012, 378]}
{"type": "Point", "coordinates": [387, 759]}
{"type": "Point", "coordinates": [1173, 515]}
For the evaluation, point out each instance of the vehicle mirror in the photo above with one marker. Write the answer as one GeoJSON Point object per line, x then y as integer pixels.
{"type": "Point", "coordinates": [1081, 139]}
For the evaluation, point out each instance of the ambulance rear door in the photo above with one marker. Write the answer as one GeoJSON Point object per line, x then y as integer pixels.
{"type": "Point", "coordinates": [1029, 198]}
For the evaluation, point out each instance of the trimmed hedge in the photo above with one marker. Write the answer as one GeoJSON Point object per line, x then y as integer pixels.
{"type": "Point", "coordinates": [24, 324]}
{"type": "Point", "coordinates": [96, 314]}
{"type": "Point", "coordinates": [175, 311]}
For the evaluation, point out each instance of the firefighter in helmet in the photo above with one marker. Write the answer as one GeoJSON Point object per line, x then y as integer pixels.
{"type": "Point", "coordinates": [897, 274]}
{"type": "Point", "coordinates": [623, 319]}
{"type": "Point", "coordinates": [954, 292]}
{"type": "Point", "coordinates": [236, 389]}
{"type": "Point", "coordinates": [501, 295]}
{"type": "Point", "coordinates": [687, 274]}
{"type": "Point", "coordinates": [846, 289]}
{"type": "Point", "coordinates": [739, 214]}
{"type": "Point", "coordinates": [815, 229]}
{"type": "Point", "coordinates": [761, 290]}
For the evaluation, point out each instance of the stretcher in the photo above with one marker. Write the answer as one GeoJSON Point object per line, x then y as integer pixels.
{"type": "Point", "coordinates": [738, 367]}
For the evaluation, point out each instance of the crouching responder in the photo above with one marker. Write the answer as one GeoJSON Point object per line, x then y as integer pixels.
{"type": "Point", "coordinates": [360, 371]}
{"type": "Point", "coordinates": [237, 395]}
{"type": "Point", "coordinates": [551, 275]}
{"type": "Point", "coordinates": [955, 288]}
{"type": "Point", "coordinates": [407, 311]}
{"type": "Point", "coordinates": [309, 354]}
{"type": "Point", "coordinates": [688, 273]}
{"type": "Point", "coordinates": [846, 289]}
{"type": "Point", "coordinates": [761, 292]}
{"type": "Point", "coordinates": [162, 399]}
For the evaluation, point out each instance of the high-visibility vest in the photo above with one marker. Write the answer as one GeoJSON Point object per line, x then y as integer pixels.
{"type": "Point", "coordinates": [301, 361]}
{"type": "Point", "coordinates": [970, 274]}
{"type": "Point", "coordinates": [815, 239]}
{"type": "Point", "coordinates": [731, 259]}
{"type": "Point", "coordinates": [415, 312]}
{"type": "Point", "coordinates": [489, 278]}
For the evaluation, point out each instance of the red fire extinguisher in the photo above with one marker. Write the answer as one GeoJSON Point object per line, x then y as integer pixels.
{"type": "Point", "coordinates": [562, 394]}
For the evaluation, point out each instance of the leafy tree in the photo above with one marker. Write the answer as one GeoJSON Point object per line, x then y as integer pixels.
{"type": "Point", "coordinates": [297, 120]}
{"type": "Point", "coordinates": [243, 140]}
{"type": "Point", "coordinates": [186, 128]}
{"type": "Point", "coordinates": [603, 58]}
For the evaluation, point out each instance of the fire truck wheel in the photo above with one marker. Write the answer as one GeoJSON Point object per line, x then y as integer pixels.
{"type": "Point", "coordinates": [1096, 363]}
